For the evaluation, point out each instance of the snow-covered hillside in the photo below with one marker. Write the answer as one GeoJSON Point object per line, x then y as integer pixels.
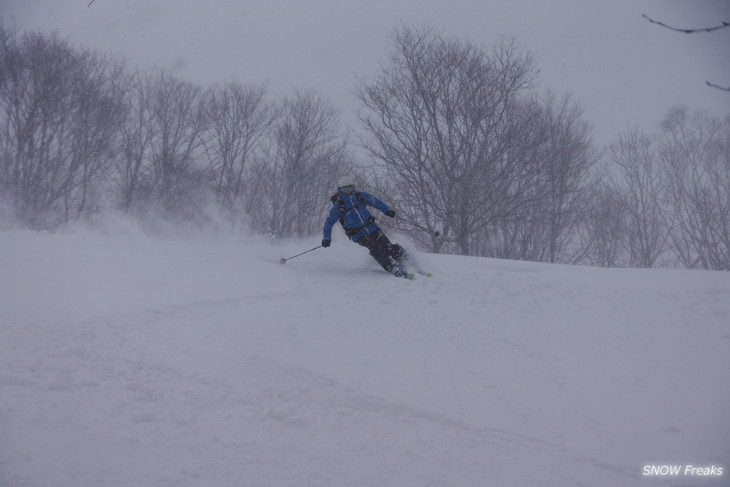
{"type": "Point", "coordinates": [132, 361]}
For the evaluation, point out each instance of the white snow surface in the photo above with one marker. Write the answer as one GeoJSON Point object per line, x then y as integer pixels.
{"type": "Point", "coordinates": [128, 360]}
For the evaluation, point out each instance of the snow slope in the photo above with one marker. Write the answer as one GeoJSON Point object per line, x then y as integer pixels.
{"type": "Point", "coordinates": [132, 361]}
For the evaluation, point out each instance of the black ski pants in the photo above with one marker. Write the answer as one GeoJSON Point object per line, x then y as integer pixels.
{"type": "Point", "coordinates": [387, 254]}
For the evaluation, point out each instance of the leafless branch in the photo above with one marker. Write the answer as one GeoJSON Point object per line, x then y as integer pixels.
{"type": "Point", "coordinates": [687, 31]}
{"type": "Point", "coordinates": [723, 88]}
{"type": "Point", "coordinates": [693, 31]}
{"type": "Point", "coordinates": [92, 1]}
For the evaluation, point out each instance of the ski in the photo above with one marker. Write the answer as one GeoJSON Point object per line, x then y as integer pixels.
{"type": "Point", "coordinates": [413, 267]}
{"type": "Point", "coordinates": [411, 276]}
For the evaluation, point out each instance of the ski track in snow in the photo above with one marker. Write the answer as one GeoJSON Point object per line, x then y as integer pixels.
{"type": "Point", "coordinates": [131, 361]}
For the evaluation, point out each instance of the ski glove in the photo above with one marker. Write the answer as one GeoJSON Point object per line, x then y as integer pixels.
{"type": "Point", "coordinates": [390, 213]}
{"type": "Point", "coordinates": [326, 243]}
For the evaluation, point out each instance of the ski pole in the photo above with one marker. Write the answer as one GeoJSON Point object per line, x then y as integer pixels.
{"type": "Point", "coordinates": [283, 259]}
{"type": "Point", "coordinates": [435, 233]}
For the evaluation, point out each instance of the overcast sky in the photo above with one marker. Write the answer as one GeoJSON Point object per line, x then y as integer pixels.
{"type": "Point", "coordinates": [624, 70]}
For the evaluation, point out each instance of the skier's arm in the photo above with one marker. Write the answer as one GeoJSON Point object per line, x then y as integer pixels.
{"type": "Point", "coordinates": [371, 200]}
{"type": "Point", "coordinates": [331, 220]}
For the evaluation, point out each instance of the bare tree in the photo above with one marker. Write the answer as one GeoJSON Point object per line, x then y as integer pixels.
{"type": "Point", "coordinates": [603, 230]}
{"type": "Point", "coordinates": [239, 118]}
{"type": "Point", "coordinates": [8, 51]}
{"type": "Point", "coordinates": [309, 154]}
{"type": "Point", "coordinates": [442, 117]}
{"type": "Point", "coordinates": [695, 152]}
{"type": "Point", "coordinates": [639, 183]}
{"type": "Point", "coordinates": [569, 156]}
{"type": "Point", "coordinates": [558, 189]}
{"type": "Point", "coordinates": [97, 119]}
{"type": "Point", "coordinates": [59, 113]}
{"type": "Point", "coordinates": [178, 175]}
{"type": "Point", "coordinates": [9, 63]}
{"type": "Point", "coordinates": [518, 229]}
{"type": "Point", "coordinates": [135, 142]}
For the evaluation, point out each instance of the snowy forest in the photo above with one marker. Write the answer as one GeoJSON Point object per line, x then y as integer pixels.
{"type": "Point", "coordinates": [458, 137]}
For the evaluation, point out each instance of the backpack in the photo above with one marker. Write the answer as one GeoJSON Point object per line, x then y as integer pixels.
{"type": "Point", "coordinates": [336, 198]}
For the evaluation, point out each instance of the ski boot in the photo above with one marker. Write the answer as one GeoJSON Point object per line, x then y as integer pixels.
{"type": "Point", "coordinates": [398, 272]}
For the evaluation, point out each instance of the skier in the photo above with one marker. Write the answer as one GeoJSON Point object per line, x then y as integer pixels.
{"type": "Point", "coordinates": [350, 207]}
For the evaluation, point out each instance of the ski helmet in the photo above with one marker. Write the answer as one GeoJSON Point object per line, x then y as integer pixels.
{"type": "Point", "coordinates": [346, 184]}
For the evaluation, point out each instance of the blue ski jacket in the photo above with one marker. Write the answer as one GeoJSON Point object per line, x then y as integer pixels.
{"type": "Point", "coordinates": [351, 210]}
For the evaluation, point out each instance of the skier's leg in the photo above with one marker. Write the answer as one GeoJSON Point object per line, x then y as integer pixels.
{"type": "Point", "coordinates": [393, 252]}
{"type": "Point", "coordinates": [399, 254]}
{"type": "Point", "coordinates": [379, 246]}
